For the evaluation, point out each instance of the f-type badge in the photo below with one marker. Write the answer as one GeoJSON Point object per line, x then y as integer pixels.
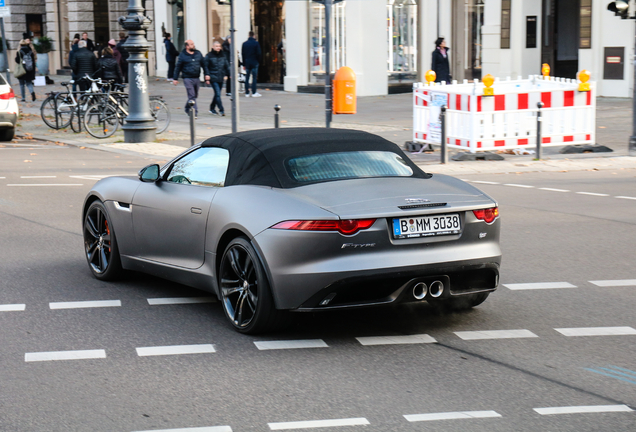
{"type": "Point", "coordinates": [357, 245]}
{"type": "Point", "coordinates": [416, 200]}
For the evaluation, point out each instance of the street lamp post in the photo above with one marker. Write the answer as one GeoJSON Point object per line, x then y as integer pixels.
{"type": "Point", "coordinates": [140, 124]}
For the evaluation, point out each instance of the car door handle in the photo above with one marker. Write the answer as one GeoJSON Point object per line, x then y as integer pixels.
{"type": "Point", "coordinates": [196, 210]}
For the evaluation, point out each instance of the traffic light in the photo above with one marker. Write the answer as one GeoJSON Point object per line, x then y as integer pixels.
{"type": "Point", "coordinates": [620, 8]}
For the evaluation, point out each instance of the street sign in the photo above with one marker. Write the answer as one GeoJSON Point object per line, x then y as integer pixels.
{"type": "Point", "coordinates": [1, 3]}
{"type": "Point", "coordinates": [5, 11]}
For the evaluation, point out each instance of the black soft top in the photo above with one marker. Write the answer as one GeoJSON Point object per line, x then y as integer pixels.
{"type": "Point", "coordinates": [258, 157]}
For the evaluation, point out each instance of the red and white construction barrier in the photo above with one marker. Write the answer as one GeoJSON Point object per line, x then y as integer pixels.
{"type": "Point", "coordinates": [508, 119]}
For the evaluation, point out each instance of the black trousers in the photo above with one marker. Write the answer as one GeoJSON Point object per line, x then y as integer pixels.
{"type": "Point", "coordinates": [171, 69]}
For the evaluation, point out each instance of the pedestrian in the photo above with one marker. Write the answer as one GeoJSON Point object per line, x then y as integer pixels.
{"type": "Point", "coordinates": [108, 68]}
{"type": "Point", "coordinates": [251, 53]}
{"type": "Point", "coordinates": [74, 48]}
{"type": "Point", "coordinates": [217, 69]}
{"type": "Point", "coordinates": [171, 55]}
{"type": "Point", "coordinates": [227, 50]}
{"type": "Point", "coordinates": [116, 54]}
{"type": "Point", "coordinates": [124, 54]}
{"type": "Point", "coordinates": [439, 64]}
{"type": "Point", "coordinates": [190, 62]}
{"type": "Point", "coordinates": [89, 43]}
{"type": "Point", "coordinates": [84, 63]}
{"type": "Point", "coordinates": [27, 57]}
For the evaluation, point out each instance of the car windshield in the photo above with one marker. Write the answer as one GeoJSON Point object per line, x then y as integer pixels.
{"type": "Point", "coordinates": [347, 165]}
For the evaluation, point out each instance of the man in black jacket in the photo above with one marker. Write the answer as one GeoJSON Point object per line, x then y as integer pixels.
{"type": "Point", "coordinates": [190, 62]}
{"type": "Point", "coordinates": [89, 43]}
{"type": "Point", "coordinates": [82, 63]}
{"type": "Point", "coordinates": [251, 53]}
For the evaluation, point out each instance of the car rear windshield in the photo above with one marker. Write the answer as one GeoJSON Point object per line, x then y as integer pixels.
{"type": "Point", "coordinates": [347, 165]}
{"type": "Point", "coordinates": [2, 80]}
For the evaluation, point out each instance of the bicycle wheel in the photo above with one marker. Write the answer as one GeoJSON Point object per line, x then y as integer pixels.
{"type": "Point", "coordinates": [101, 120]}
{"type": "Point", "coordinates": [161, 114]}
{"type": "Point", "coordinates": [77, 120]}
{"type": "Point", "coordinates": [64, 111]}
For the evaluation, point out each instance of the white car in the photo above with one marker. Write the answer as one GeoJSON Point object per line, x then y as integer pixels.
{"type": "Point", "coordinates": [9, 110]}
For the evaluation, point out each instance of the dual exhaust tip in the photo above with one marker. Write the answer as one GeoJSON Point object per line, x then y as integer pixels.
{"type": "Point", "coordinates": [434, 290]}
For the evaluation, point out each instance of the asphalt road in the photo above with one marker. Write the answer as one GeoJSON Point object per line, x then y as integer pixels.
{"type": "Point", "coordinates": [573, 230]}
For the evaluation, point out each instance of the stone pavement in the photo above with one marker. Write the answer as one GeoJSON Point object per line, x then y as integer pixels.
{"type": "Point", "coordinates": [388, 116]}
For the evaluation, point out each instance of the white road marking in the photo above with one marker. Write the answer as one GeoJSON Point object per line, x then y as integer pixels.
{"type": "Point", "coordinates": [626, 197]}
{"type": "Point", "coordinates": [195, 429]}
{"type": "Point", "coordinates": [46, 184]}
{"type": "Point", "coordinates": [592, 194]}
{"type": "Point", "coordinates": [181, 300]}
{"type": "Point", "coordinates": [451, 415]}
{"type": "Point", "coordinates": [614, 283]}
{"type": "Point", "coordinates": [485, 182]}
{"type": "Point", "coordinates": [37, 177]}
{"type": "Point", "coordinates": [64, 355]}
{"type": "Point", "coordinates": [519, 185]}
{"type": "Point", "coordinates": [596, 331]}
{"type": "Point", "coordinates": [85, 304]}
{"type": "Point", "coordinates": [554, 190]}
{"type": "Point", "coordinates": [583, 409]}
{"type": "Point", "coordinates": [318, 423]}
{"type": "Point", "coordinates": [175, 349]}
{"type": "Point", "coordinates": [495, 334]}
{"type": "Point", "coordinates": [2, 177]}
{"type": "Point", "coordinates": [99, 176]}
{"type": "Point", "coordinates": [12, 307]}
{"type": "Point", "coordinates": [396, 340]}
{"type": "Point", "coordinates": [290, 344]}
{"type": "Point", "coordinates": [540, 285]}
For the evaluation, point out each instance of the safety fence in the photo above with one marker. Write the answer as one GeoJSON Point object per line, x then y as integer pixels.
{"type": "Point", "coordinates": [508, 119]}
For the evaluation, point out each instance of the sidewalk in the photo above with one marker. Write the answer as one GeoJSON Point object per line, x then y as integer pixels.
{"type": "Point", "coordinates": [387, 116]}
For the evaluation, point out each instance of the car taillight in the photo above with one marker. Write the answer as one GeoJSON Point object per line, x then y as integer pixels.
{"type": "Point", "coordinates": [346, 227]}
{"type": "Point", "coordinates": [9, 95]}
{"type": "Point", "coordinates": [487, 215]}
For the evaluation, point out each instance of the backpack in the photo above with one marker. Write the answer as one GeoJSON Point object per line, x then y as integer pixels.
{"type": "Point", "coordinates": [27, 61]}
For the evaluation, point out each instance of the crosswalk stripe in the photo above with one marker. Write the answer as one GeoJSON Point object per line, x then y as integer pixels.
{"type": "Point", "coordinates": [597, 331]}
{"type": "Point", "coordinates": [310, 424]}
{"type": "Point", "coordinates": [541, 285]}
{"type": "Point", "coordinates": [614, 283]}
{"type": "Point", "coordinates": [290, 344]}
{"type": "Point", "coordinates": [64, 355]}
{"type": "Point", "coordinates": [451, 415]}
{"type": "Point", "coordinates": [85, 304]}
{"type": "Point", "coordinates": [194, 429]}
{"type": "Point", "coordinates": [12, 307]}
{"type": "Point", "coordinates": [175, 350]}
{"type": "Point", "coordinates": [495, 334]}
{"type": "Point", "coordinates": [396, 340]}
{"type": "Point", "coordinates": [583, 409]}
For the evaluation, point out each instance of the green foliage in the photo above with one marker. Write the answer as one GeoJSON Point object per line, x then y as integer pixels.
{"type": "Point", "coordinates": [43, 45]}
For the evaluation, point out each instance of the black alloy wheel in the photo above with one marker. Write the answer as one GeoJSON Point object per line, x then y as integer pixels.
{"type": "Point", "coordinates": [245, 292]}
{"type": "Point", "coordinates": [100, 243]}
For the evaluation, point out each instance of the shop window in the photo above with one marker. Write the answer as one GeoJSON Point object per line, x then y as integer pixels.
{"type": "Point", "coordinates": [402, 35]}
{"type": "Point", "coordinates": [34, 25]}
{"type": "Point", "coordinates": [505, 23]}
{"type": "Point", "coordinates": [317, 39]}
{"type": "Point", "coordinates": [585, 35]}
{"type": "Point", "coordinates": [474, 20]}
{"type": "Point", "coordinates": [177, 24]}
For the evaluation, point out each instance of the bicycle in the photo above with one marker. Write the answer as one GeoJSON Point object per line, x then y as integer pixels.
{"type": "Point", "coordinates": [63, 106]}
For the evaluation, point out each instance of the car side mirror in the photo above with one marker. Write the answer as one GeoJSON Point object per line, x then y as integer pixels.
{"type": "Point", "coordinates": [149, 174]}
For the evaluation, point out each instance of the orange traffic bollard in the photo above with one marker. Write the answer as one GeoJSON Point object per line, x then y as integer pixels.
{"type": "Point", "coordinates": [344, 91]}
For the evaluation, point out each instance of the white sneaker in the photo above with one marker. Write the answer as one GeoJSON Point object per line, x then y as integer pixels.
{"type": "Point", "coordinates": [247, 95]}
{"type": "Point", "coordinates": [257, 94]}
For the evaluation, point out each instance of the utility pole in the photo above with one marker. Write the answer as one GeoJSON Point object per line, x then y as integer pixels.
{"type": "Point", "coordinates": [233, 67]}
{"type": "Point", "coordinates": [140, 124]}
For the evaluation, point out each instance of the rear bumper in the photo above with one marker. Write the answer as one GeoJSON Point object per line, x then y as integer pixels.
{"type": "Point", "coordinates": [8, 120]}
{"type": "Point", "coordinates": [304, 268]}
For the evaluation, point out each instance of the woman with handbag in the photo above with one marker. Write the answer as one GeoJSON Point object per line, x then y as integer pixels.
{"type": "Point", "coordinates": [25, 60]}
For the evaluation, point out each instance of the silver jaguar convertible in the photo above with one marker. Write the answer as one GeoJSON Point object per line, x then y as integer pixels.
{"type": "Point", "coordinates": [304, 219]}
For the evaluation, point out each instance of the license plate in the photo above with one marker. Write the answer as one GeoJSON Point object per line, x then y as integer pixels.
{"type": "Point", "coordinates": [426, 226]}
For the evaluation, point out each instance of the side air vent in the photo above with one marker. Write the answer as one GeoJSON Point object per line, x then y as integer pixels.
{"type": "Point", "coordinates": [412, 206]}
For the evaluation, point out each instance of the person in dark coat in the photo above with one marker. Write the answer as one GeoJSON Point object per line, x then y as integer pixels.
{"type": "Point", "coordinates": [227, 50]}
{"type": "Point", "coordinates": [190, 62]}
{"type": "Point", "coordinates": [251, 53]}
{"type": "Point", "coordinates": [218, 68]}
{"type": "Point", "coordinates": [74, 48]}
{"type": "Point", "coordinates": [84, 62]}
{"type": "Point", "coordinates": [27, 57]}
{"type": "Point", "coordinates": [89, 43]}
{"type": "Point", "coordinates": [116, 54]}
{"type": "Point", "coordinates": [439, 63]}
{"type": "Point", "coordinates": [107, 67]}
{"type": "Point", "coordinates": [171, 55]}
{"type": "Point", "coordinates": [124, 54]}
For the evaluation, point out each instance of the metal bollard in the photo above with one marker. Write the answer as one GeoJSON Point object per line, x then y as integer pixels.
{"type": "Point", "coordinates": [442, 119]}
{"type": "Point", "coordinates": [191, 113]}
{"type": "Point", "coordinates": [276, 122]}
{"type": "Point", "coordinates": [539, 140]}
